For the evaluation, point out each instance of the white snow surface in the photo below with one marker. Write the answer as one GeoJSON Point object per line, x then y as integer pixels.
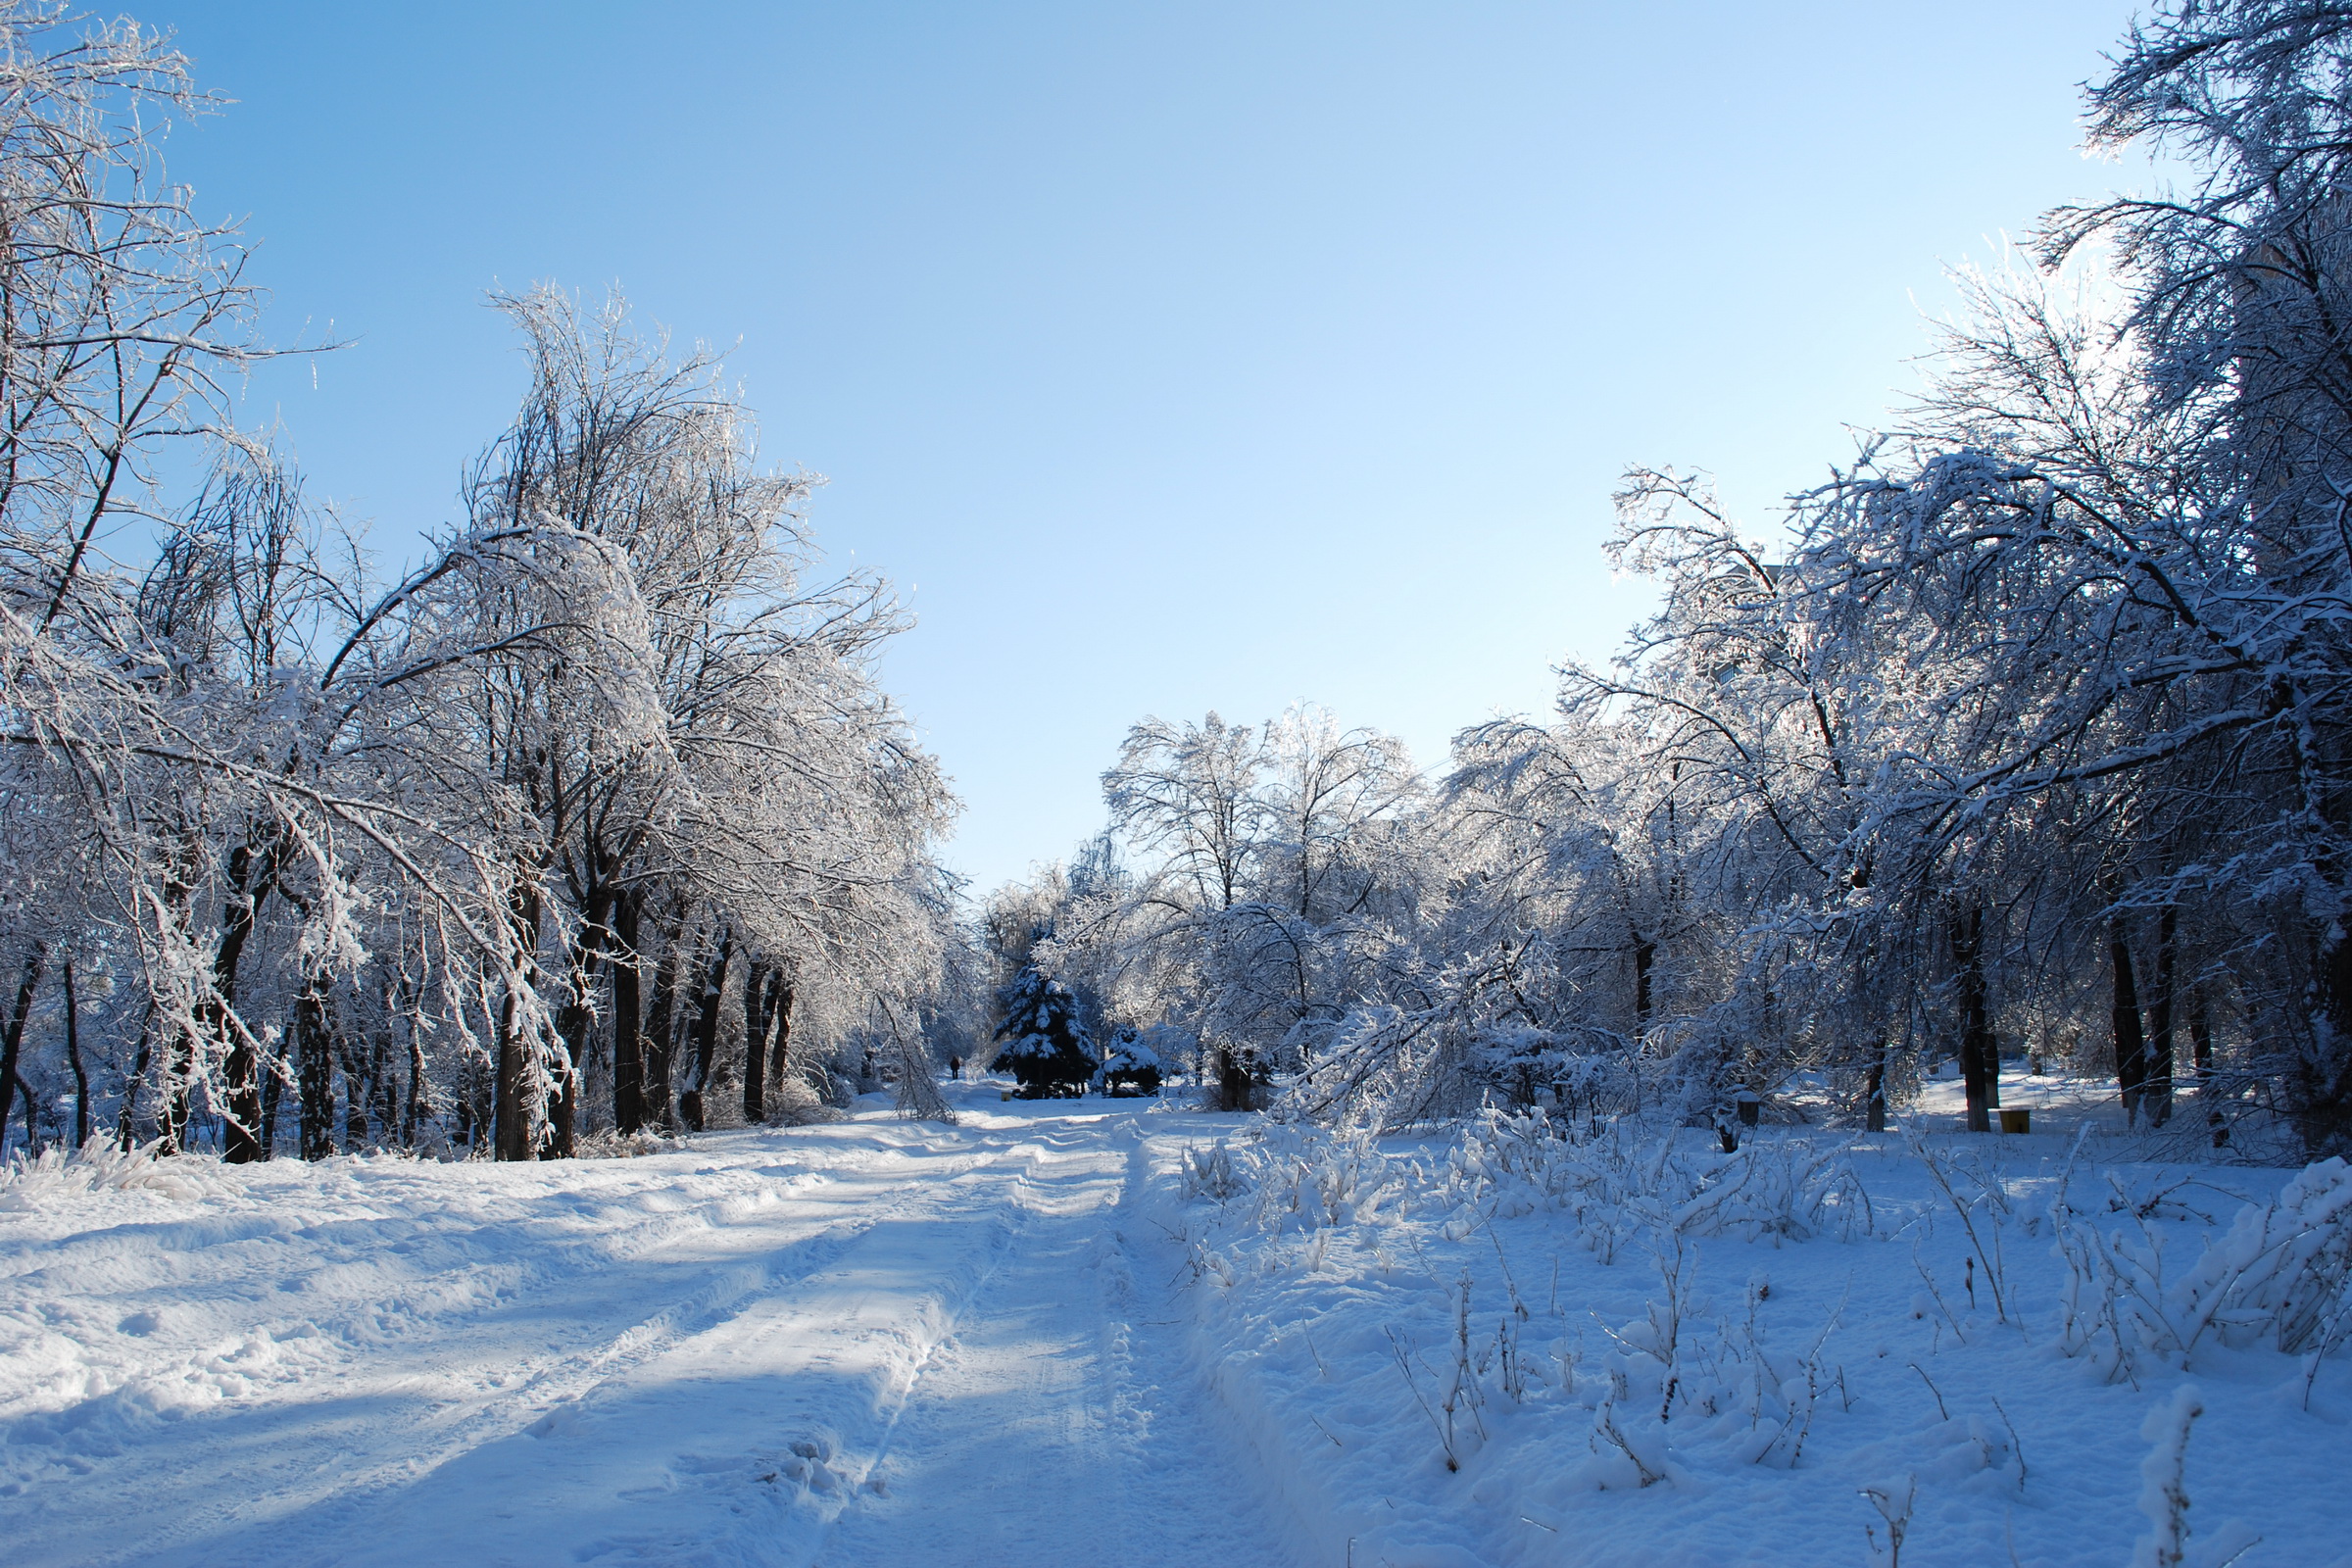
{"type": "Point", "coordinates": [1072, 1333]}
{"type": "Point", "coordinates": [872, 1343]}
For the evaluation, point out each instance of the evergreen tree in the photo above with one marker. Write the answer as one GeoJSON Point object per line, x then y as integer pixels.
{"type": "Point", "coordinates": [1048, 1049]}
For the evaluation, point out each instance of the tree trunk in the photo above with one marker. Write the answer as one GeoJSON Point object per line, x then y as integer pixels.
{"type": "Point", "coordinates": [2130, 1046]}
{"type": "Point", "coordinates": [659, 1027]}
{"type": "Point", "coordinates": [1232, 1081]}
{"type": "Point", "coordinates": [1979, 1065]}
{"type": "Point", "coordinates": [273, 1086]}
{"type": "Point", "coordinates": [573, 1022]}
{"type": "Point", "coordinates": [758, 1003]}
{"type": "Point", "coordinates": [412, 1110]}
{"type": "Point", "coordinates": [2156, 1097]}
{"type": "Point", "coordinates": [179, 1066]}
{"type": "Point", "coordinates": [628, 1015]}
{"type": "Point", "coordinates": [383, 1076]}
{"type": "Point", "coordinates": [1874, 1089]}
{"type": "Point", "coordinates": [240, 1140]}
{"type": "Point", "coordinates": [2319, 1082]}
{"type": "Point", "coordinates": [313, 1069]}
{"type": "Point", "coordinates": [779, 1049]}
{"type": "Point", "coordinates": [2200, 1032]}
{"type": "Point", "coordinates": [517, 1118]}
{"type": "Point", "coordinates": [2200, 1045]}
{"type": "Point", "coordinates": [359, 1087]}
{"type": "Point", "coordinates": [12, 1043]}
{"type": "Point", "coordinates": [82, 1076]}
{"type": "Point", "coordinates": [133, 1079]}
{"type": "Point", "coordinates": [1645, 957]}
{"type": "Point", "coordinates": [704, 1032]}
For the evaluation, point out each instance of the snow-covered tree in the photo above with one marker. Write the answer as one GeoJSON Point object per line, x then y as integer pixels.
{"type": "Point", "coordinates": [1045, 1046]}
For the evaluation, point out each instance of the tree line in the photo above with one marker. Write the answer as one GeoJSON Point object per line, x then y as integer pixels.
{"type": "Point", "coordinates": [2026, 732]}
{"type": "Point", "coordinates": [593, 822]}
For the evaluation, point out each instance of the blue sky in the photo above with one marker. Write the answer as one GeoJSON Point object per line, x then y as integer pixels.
{"type": "Point", "coordinates": [1170, 357]}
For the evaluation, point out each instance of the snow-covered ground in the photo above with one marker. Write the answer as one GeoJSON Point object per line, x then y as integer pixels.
{"type": "Point", "coordinates": [875, 1341]}
{"type": "Point", "coordinates": [1078, 1334]}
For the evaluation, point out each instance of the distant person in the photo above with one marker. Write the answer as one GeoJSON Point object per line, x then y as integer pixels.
{"type": "Point", "coordinates": [955, 1068]}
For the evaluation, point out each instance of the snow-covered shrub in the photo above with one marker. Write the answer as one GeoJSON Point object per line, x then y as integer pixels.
{"type": "Point", "coordinates": [1781, 1189]}
{"type": "Point", "coordinates": [1133, 1067]}
{"type": "Point", "coordinates": [103, 1165]}
{"type": "Point", "coordinates": [1455, 1398]}
{"type": "Point", "coordinates": [1613, 1184]}
{"type": "Point", "coordinates": [610, 1144]}
{"type": "Point", "coordinates": [1314, 1178]}
{"type": "Point", "coordinates": [2282, 1275]}
{"type": "Point", "coordinates": [794, 1102]}
{"type": "Point", "coordinates": [919, 1097]}
{"type": "Point", "coordinates": [1980, 1202]}
{"type": "Point", "coordinates": [1210, 1173]}
{"type": "Point", "coordinates": [1677, 1383]}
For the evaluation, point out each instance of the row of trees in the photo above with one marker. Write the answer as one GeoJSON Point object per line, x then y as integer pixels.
{"type": "Point", "coordinates": [596, 819]}
{"type": "Point", "coordinates": [2028, 733]}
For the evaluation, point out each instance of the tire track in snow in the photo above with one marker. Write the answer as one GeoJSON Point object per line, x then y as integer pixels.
{"type": "Point", "coordinates": [691, 1458]}
{"type": "Point", "coordinates": [665, 1367]}
{"type": "Point", "coordinates": [281, 1470]}
{"type": "Point", "coordinates": [1041, 1436]}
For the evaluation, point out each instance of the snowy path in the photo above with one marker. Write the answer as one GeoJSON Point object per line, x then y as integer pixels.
{"type": "Point", "coordinates": [866, 1344]}
{"type": "Point", "coordinates": [1034, 1437]}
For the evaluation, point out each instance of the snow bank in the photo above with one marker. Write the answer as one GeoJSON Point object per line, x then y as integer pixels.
{"type": "Point", "coordinates": [1508, 1348]}
{"type": "Point", "coordinates": [1075, 1331]}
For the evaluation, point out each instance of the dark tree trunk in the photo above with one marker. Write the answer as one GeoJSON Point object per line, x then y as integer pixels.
{"type": "Point", "coordinates": [1979, 1064]}
{"type": "Point", "coordinates": [359, 1087]}
{"type": "Point", "coordinates": [573, 1022]}
{"type": "Point", "coordinates": [628, 1015]}
{"type": "Point", "coordinates": [759, 1004]}
{"type": "Point", "coordinates": [1645, 957]}
{"type": "Point", "coordinates": [383, 1078]}
{"type": "Point", "coordinates": [2130, 1046]}
{"type": "Point", "coordinates": [315, 1069]}
{"type": "Point", "coordinates": [473, 1102]}
{"type": "Point", "coordinates": [412, 1111]}
{"type": "Point", "coordinates": [2200, 1045]}
{"type": "Point", "coordinates": [12, 1043]}
{"type": "Point", "coordinates": [248, 885]}
{"type": "Point", "coordinates": [274, 1084]}
{"type": "Point", "coordinates": [660, 1027]}
{"type": "Point", "coordinates": [2200, 1032]}
{"type": "Point", "coordinates": [2321, 1090]}
{"type": "Point", "coordinates": [779, 1046]}
{"type": "Point", "coordinates": [2156, 1096]}
{"type": "Point", "coordinates": [1232, 1081]}
{"type": "Point", "coordinates": [515, 1115]}
{"type": "Point", "coordinates": [82, 1076]}
{"type": "Point", "coordinates": [704, 1032]}
{"type": "Point", "coordinates": [138, 1076]}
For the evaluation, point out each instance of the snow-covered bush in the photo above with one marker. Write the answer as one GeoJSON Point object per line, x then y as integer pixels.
{"type": "Point", "coordinates": [1309, 1178]}
{"type": "Point", "coordinates": [610, 1144]}
{"type": "Point", "coordinates": [1211, 1173]}
{"type": "Point", "coordinates": [1133, 1067]}
{"type": "Point", "coordinates": [102, 1165]}
{"type": "Point", "coordinates": [2281, 1275]}
{"type": "Point", "coordinates": [1676, 1383]}
{"type": "Point", "coordinates": [1617, 1182]}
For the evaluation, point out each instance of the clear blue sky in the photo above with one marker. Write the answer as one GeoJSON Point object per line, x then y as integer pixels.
{"type": "Point", "coordinates": [1168, 357]}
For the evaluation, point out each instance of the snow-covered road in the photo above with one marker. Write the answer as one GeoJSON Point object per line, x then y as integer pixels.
{"type": "Point", "coordinates": [875, 1342]}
